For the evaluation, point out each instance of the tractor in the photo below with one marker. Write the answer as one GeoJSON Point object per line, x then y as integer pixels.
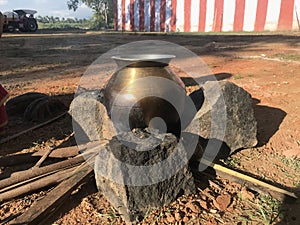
{"type": "Point", "coordinates": [21, 19]}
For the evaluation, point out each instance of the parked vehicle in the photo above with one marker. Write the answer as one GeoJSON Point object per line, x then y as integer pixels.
{"type": "Point", "coordinates": [21, 19]}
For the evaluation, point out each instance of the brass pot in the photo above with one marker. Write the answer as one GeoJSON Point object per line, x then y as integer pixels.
{"type": "Point", "coordinates": [142, 89]}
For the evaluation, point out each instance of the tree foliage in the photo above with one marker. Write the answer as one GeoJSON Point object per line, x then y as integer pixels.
{"type": "Point", "coordinates": [103, 10]}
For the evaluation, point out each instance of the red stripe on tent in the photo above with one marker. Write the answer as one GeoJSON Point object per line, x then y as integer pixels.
{"type": "Point", "coordinates": [202, 16]}
{"type": "Point", "coordinates": [132, 15]}
{"type": "Point", "coordinates": [162, 13]}
{"type": "Point", "coordinates": [239, 15]}
{"type": "Point", "coordinates": [173, 15]}
{"type": "Point", "coordinates": [187, 15]}
{"type": "Point", "coordinates": [142, 15]}
{"type": "Point", "coordinates": [218, 16]}
{"type": "Point", "coordinates": [286, 15]}
{"type": "Point", "coordinates": [261, 15]}
{"type": "Point", "coordinates": [152, 15]}
{"type": "Point", "coordinates": [123, 15]}
{"type": "Point", "coordinates": [116, 25]}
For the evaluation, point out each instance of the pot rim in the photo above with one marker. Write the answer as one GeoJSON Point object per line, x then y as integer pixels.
{"type": "Point", "coordinates": [132, 58]}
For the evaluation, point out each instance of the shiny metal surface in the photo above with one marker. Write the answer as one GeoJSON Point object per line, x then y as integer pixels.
{"type": "Point", "coordinates": [151, 106]}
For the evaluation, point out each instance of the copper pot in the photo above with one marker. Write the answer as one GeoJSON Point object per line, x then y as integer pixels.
{"type": "Point", "coordinates": [146, 88]}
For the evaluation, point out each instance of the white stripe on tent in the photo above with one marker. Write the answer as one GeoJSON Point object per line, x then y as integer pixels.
{"type": "Point", "coordinates": [157, 15]}
{"type": "Point", "coordinates": [228, 15]}
{"type": "Point", "coordinates": [195, 10]}
{"type": "Point", "coordinates": [250, 15]}
{"type": "Point", "coordinates": [273, 15]}
{"type": "Point", "coordinates": [210, 10]}
{"type": "Point", "coordinates": [168, 15]}
{"type": "Point", "coordinates": [136, 16]}
{"type": "Point", "coordinates": [296, 13]}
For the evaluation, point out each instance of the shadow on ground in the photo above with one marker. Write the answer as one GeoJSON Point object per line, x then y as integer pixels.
{"type": "Point", "coordinates": [268, 121]}
{"type": "Point", "coordinates": [291, 210]}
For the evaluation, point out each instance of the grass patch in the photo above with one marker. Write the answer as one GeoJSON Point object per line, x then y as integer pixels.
{"type": "Point", "coordinates": [291, 57]}
{"type": "Point", "coordinates": [263, 209]}
{"type": "Point", "coordinates": [232, 162]}
{"type": "Point", "coordinates": [269, 208]}
{"type": "Point", "coordinates": [112, 216]}
{"type": "Point", "coordinates": [238, 76]}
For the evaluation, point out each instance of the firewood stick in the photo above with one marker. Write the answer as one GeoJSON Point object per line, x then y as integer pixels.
{"type": "Point", "coordinates": [23, 176]}
{"type": "Point", "coordinates": [43, 158]}
{"type": "Point", "coordinates": [28, 158]}
{"type": "Point", "coordinates": [35, 172]}
{"type": "Point", "coordinates": [16, 185]}
{"type": "Point", "coordinates": [43, 208]}
{"type": "Point", "coordinates": [47, 153]}
{"type": "Point", "coordinates": [36, 185]}
{"type": "Point", "coordinates": [60, 152]}
{"type": "Point", "coordinates": [32, 128]}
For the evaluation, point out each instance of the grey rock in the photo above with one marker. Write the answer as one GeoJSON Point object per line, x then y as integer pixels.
{"type": "Point", "coordinates": [90, 118]}
{"type": "Point", "coordinates": [134, 191]}
{"type": "Point", "coordinates": [227, 115]}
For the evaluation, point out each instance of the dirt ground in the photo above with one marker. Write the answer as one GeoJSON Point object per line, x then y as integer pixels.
{"type": "Point", "coordinates": [266, 65]}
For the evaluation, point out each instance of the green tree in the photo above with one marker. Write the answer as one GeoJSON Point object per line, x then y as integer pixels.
{"type": "Point", "coordinates": [103, 9]}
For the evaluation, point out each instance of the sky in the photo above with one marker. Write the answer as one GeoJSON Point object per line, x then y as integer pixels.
{"type": "Point", "coordinates": [56, 8]}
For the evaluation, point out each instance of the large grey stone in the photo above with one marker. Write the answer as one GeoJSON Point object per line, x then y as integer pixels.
{"type": "Point", "coordinates": [134, 191]}
{"type": "Point", "coordinates": [227, 109]}
{"type": "Point", "coordinates": [90, 119]}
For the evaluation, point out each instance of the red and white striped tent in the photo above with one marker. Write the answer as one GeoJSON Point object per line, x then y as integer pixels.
{"type": "Point", "coordinates": [207, 15]}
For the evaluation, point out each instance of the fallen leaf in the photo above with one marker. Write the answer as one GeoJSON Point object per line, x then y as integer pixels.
{"type": "Point", "coordinates": [222, 202]}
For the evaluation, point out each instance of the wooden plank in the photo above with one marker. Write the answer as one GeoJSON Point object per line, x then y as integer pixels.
{"type": "Point", "coordinates": [43, 208]}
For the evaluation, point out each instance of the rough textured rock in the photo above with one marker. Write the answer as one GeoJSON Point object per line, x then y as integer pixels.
{"type": "Point", "coordinates": [90, 118]}
{"type": "Point", "coordinates": [241, 126]}
{"type": "Point", "coordinates": [116, 182]}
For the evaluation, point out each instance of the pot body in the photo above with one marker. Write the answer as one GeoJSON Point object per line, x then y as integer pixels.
{"type": "Point", "coordinates": [145, 94]}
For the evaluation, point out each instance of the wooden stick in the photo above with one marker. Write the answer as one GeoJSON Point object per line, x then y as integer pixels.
{"type": "Point", "coordinates": [43, 158]}
{"type": "Point", "coordinates": [47, 153]}
{"type": "Point", "coordinates": [43, 209]}
{"type": "Point", "coordinates": [59, 152]}
{"type": "Point", "coordinates": [251, 182]}
{"type": "Point", "coordinates": [36, 185]}
{"type": "Point", "coordinates": [32, 128]}
{"type": "Point", "coordinates": [27, 158]}
{"type": "Point", "coordinates": [23, 177]}
{"type": "Point", "coordinates": [35, 172]}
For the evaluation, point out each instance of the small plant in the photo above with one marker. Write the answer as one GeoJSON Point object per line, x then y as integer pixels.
{"type": "Point", "coordinates": [232, 162]}
{"type": "Point", "coordinates": [112, 216]}
{"type": "Point", "coordinates": [269, 208]}
{"type": "Point", "coordinates": [238, 76]}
